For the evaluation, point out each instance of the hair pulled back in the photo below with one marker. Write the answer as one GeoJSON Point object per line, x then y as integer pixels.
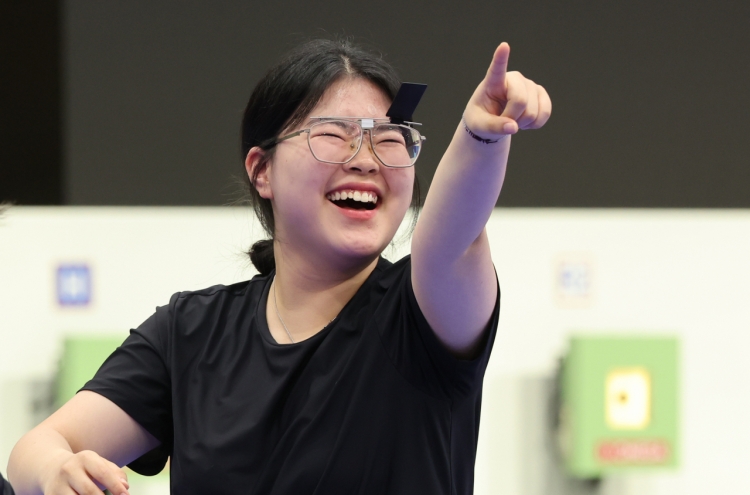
{"type": "Point", "coordinates": [286, 95]}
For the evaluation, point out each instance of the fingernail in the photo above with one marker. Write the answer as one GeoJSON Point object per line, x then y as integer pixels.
{"type": "Point", "coordinates": [125, 482]}
{"type": "Point", "coordinates": [509, 128]}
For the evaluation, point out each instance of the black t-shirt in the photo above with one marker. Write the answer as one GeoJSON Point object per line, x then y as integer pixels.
{"type": "Point", "coordinates": [5, 488]}
{"type": "Point", "coordinates": [372, 404]}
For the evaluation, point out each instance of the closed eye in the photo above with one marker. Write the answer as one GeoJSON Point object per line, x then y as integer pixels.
{"type": "Point", "coordinates": [331, 134]}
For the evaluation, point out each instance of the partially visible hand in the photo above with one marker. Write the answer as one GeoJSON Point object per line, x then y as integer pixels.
{"type": "Point", "coordinates": [506, 102]}
{"type": "Point", "coordinates": [87, 473]}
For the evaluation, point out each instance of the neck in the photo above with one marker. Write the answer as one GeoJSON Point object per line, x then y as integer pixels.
{"type": "Point", "coordinates": [309, 293]}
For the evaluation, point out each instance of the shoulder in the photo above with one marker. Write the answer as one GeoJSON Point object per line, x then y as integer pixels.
{"type": "Point", "coordinates": [189, 311]}
{"type": "Point", "coordinates": [219, 295]}
{"type": "Point", "coordinates": [193, 319]}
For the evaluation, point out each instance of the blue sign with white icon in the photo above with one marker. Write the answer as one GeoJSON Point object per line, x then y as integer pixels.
{"type": "Point", "coordinates": [73, 285]}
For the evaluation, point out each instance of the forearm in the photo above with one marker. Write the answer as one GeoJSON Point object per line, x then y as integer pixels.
{"type": "Point", "coordinates": [468, 180]}
{"type": "Point", "coordinates": [452, 272]}
{"type": "Point", "coordinates": [35, 458]}
{"type": "Point", "coordinates": [462, 196]}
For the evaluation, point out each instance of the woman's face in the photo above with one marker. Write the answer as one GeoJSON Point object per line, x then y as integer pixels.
{"type": "Point", "coordinates": [303, 189]}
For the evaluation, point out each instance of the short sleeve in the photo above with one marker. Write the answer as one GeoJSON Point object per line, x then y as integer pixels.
{"type": "Point", "coordinates": [136, 378]}
{"type": "Point", "coordinates": [417, 352]}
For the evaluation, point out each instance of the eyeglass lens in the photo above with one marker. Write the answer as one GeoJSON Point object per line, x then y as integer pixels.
{"type": "Point", "coordinates": [337, 141]}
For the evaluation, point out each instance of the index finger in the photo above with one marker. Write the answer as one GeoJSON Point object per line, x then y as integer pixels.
{"type": "Point", "coordinates": [499, 66]}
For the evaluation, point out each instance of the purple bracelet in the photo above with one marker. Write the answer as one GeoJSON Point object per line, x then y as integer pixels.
{"type": "Point", "coordinates": [478, 138]}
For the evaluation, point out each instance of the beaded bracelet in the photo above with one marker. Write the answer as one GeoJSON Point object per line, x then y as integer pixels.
{"type": "Point", "coordinates": [478, 138]}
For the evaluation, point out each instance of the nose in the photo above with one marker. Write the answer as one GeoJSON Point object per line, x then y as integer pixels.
{"type": "Point", "coordinates": [365, 161]}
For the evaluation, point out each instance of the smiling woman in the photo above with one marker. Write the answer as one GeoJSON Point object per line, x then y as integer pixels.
{"type": "Point", "coordinates": [333, 371]}
{"type": "Point", "coordinates": [319, 72]}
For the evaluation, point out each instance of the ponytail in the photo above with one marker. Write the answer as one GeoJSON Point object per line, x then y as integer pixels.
{"type": "Point", "coordinates": [261, 254]}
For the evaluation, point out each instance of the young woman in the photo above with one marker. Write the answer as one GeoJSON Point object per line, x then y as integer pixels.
{"type": "Point", "coordinates": [333, 371]}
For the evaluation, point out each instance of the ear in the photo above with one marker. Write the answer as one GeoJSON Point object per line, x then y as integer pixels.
{"type": "Point", "coordinates": [253, 160]}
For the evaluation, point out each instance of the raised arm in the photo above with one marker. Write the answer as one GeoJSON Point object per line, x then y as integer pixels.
{"type": "Point", "coordinates": [80, 447]}
{"type": "Point", "coordinates": [452, 272]}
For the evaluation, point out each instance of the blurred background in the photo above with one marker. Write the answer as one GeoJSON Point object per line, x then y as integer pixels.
{"type": "Point", "coordinates": [625, 217]}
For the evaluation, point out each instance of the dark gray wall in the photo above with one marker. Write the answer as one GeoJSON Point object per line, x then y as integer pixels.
{"type": "Point", "coordinates": [650, 98]}
{"type": "Point", "coordinates": [30, 102]}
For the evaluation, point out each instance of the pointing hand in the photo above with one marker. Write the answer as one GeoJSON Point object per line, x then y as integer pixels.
{"type": "Point", "coordinates": [506, 102]}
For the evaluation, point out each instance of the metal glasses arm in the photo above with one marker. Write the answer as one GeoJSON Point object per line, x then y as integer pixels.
{"type": "Point", "coordinates": [271, 142]}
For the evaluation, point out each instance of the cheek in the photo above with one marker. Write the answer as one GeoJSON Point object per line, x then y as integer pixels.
{"type": "Point", "coordinates": [296, 173]}
{"type": "Point", "coordinates": [402, 185]}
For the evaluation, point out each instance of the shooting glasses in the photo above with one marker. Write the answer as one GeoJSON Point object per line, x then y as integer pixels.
{"type": "Point", "coordinates": [393, 140]}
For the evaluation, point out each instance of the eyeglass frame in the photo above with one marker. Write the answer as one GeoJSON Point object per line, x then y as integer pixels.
{"type": "Point", "coordinates": [270, 143]}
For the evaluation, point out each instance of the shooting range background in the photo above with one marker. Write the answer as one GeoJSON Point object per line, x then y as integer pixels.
{"type": "Point", "coordinates": [133, 103]}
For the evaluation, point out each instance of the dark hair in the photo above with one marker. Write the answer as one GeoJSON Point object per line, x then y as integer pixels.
{"type": "Point", "coordinates": [286, 95]}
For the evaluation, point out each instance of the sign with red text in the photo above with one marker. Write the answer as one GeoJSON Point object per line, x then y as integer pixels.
{"type": "Point", "coordinates": [633, 452]}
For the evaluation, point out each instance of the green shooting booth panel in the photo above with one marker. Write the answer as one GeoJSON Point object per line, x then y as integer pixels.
{"type": "Point", "coordinates": [81, 358]}
{"type": "Point", "coordinates": [619, 405]}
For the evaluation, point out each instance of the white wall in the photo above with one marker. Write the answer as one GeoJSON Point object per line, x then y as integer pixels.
{"type": "Point", "coordinates": [652, 271]}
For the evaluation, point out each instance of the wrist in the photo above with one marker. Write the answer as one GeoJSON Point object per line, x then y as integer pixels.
{"type": "Point", "coordinates": [50, 468]}
{"type": "Point", "coordinates": [480, 137]}
{"type": "Point", "coordinates": [476, 136]}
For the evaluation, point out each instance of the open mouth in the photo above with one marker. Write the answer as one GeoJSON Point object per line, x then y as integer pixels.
{"type": "Point", "coordinates": [354, 200]}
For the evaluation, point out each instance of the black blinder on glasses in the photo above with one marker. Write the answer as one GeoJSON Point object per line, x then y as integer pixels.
{"type": "Point", "coordinates": [405, 102]}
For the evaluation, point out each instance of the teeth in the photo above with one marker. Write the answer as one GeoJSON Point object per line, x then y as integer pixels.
{"type": "Point", "coordinates": [361, 196]}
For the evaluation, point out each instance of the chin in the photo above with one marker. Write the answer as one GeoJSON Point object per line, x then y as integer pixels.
{"type": "Point", "coordinates": [362, 249]}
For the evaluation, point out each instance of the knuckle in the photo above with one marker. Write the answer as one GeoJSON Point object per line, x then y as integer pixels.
{"type": "Point", "coordinates": [68, 468]}
{"type": "Point", "coordinates": [72, 465]}
{"type": "Point", "coordinates": [97, 472]}
{"type": "Point", "coordinates": [87, 455]}
{"type": "Point", "coordinates": [545, 95]}
{"type": "Point", "coordinates": [527, 122]}
{"type": "Point", "coordinates": [94, 463]}
{"type": "Point", "coordinates": [541, 120]}
{"type": "Point", "coordinates": [101, 472]}
{"type": "Point", "coordinates": [520, 101]}
{"type": "Point", "coordinates": [527, 117]}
